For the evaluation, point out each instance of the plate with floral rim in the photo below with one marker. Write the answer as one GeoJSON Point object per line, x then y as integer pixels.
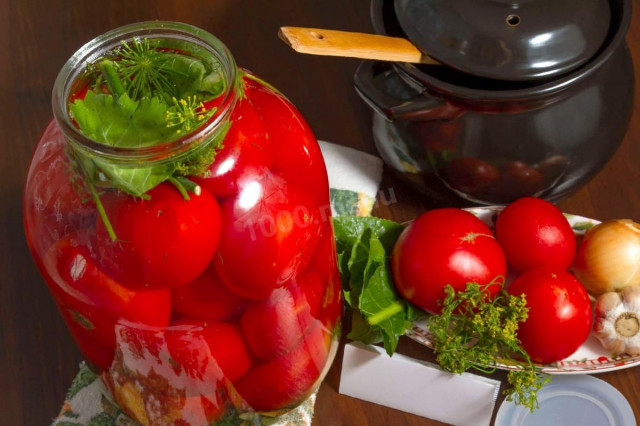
{"type": "Point", "coordinates": [590, 358]}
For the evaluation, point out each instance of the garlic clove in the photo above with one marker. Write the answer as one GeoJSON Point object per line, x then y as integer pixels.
{"type": "Point", "coordinates": [614, 345]}
{"type": "Point", "coordinates": [606, 303]}
{"type": "Point", "coordinates": [633, 350]}
{"type": "Point", "coordinates": [617, 321]}
{"type": "Point", "coordinates": [631, 297]}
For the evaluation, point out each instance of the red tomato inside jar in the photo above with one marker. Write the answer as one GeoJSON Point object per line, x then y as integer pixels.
{"type": "Point", "coordinates": [178, 209]}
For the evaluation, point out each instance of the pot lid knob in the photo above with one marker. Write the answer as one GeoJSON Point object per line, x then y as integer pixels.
{"type": "Point", "coordinates": [507, 40]}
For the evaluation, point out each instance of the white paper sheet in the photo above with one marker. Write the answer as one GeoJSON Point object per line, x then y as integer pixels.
{"type": "Point", "coordinates": [417, 387]}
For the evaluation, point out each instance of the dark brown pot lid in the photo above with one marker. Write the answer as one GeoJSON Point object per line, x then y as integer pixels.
{"type": "Point", "coordinates": [507, 40]}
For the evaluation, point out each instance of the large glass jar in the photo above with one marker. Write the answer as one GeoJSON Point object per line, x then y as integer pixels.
{"type": "Point", "coordinates": [178, 209]}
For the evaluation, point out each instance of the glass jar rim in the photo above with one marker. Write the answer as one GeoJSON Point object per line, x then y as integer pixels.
{"type": "Point", "coordinates": [112, 39]}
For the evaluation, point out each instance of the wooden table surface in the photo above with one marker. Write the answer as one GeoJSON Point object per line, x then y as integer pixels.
{"type": "Point", "coordinates": [37, 356]}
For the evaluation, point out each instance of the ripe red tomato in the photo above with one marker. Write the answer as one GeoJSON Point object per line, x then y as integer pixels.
{"type": "Point", "coordinates": [470, 175]}
{"type": "Point", "coordinates": [325, 258]}
{"type": "Point", "coordinates": [92, 349]}
{"type": "Point", "coordinates": [281, 382]}
{"type": "Point", "coordinates": [223, 342]}
{"type": "Point", "coordinates": [292, 140]}
{"type": "Point", "coordinates": [517, 179]}
{"type": "Point", "coordinates": [317, 281]}
{"type": "Point", "coordinates": [534, 232]}
{"type": "Point", "coordinates": [275, 325]}
{"type": "Point", "coordinates": [163, 242]}
{"type": "Point", "coordinates": [269, 233]}
{"type": "Point", "coordinates": [245, 154]}
{"type": "Point", "coordinates": [445, 246]}
{"type": "Point", "coordinates": [560, 315]}
{"type": "Point", "coordinates": [229, 348]}
{"type": "Point", "coordinates": [206, 298]}
{"type": "Point", "coordinates": [92, 303]}
{"type": "Point", "coordinates": [314, 288]}
{"type": "Point", "coordinates": [321, 283]}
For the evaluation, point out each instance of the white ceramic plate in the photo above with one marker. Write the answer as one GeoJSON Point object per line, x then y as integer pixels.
{"type": "Point", "coordinates": [579, 400]}
{"type": "Point", "coordinates": [590, 358]}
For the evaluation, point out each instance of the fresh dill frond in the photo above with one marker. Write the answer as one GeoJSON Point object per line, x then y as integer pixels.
{"type": "Point", "coordinates": [187, 114]}
{"type": "Point", "coordinates": [473, 331]}
{"type": "Point", "coordinates": [141, 65]}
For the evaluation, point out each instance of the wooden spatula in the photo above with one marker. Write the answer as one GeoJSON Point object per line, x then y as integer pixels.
{"type": "Point", "coordinates": [316, 41]}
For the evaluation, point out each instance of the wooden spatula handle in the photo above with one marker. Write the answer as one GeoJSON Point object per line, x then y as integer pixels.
{"type": "Point", "coordinates": [316, 41]}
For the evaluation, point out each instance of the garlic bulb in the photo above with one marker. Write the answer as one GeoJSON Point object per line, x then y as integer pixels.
{"type": "Point", "coordinates": [617, 322]}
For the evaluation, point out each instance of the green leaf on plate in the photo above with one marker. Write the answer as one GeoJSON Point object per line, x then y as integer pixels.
{"type": "Point", "coordinates": [364, 249]}
{"type": "Point", "coordinates": [379, 301]}
{"type": "Point", "coordinates": [362, 331]}
{"type": "Point", "coordinates": [349, 228]}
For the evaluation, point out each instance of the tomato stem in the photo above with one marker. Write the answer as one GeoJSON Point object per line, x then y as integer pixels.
{"type": "Point", "coordinates": [185, 185]}
{"type": "Point", "coordinates": [180, 187]}
{"type": "Point", "coordinates": [190, 185]}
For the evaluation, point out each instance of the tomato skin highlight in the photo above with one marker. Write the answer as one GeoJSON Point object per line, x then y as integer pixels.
{"type": "Point", "coordinates": [246, 152]}
{"type": "Point", "coordinates": [163, 242]}
{"type": "Point", "coordinates": [534, 233]}
{"type": "Point", "coordinates": [445, 246]}
{"type": "Point", "coordinates": [269, 233]}
{"type": "Point", "coordinates": [560, 315]}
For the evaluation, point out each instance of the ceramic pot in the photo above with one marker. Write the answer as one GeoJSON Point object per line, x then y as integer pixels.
{"type": "Point", "coordinates": [463, 138]}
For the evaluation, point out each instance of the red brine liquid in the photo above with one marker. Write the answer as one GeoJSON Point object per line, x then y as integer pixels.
{"type": "Point", "coordinates": [214, 291]}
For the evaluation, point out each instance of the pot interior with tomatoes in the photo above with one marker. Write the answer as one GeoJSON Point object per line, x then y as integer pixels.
{"type": "Point", "coordinates": [193, 263]}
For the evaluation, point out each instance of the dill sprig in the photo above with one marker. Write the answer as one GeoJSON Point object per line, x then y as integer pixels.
{"type": "Point", "coordinates": [473, 331]}
{"type": "Point", "coordinates": [141, 64]}
{"type": "Point", "coordinates": [187, 114]}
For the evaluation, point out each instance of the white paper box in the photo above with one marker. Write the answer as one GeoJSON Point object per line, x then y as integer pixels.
{"type": "Point", "coordinates": [417, 387]}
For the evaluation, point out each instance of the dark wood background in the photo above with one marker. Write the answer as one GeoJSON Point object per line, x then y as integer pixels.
{"type": "Point", "coordinates": [37, 357]}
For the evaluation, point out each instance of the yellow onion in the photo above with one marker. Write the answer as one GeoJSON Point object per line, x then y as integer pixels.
{"type": "Point", "coordinates": [608, 258]}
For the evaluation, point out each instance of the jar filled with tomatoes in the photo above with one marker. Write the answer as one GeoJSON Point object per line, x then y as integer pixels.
{"type": "Point", "coordinates": [191, 259]}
